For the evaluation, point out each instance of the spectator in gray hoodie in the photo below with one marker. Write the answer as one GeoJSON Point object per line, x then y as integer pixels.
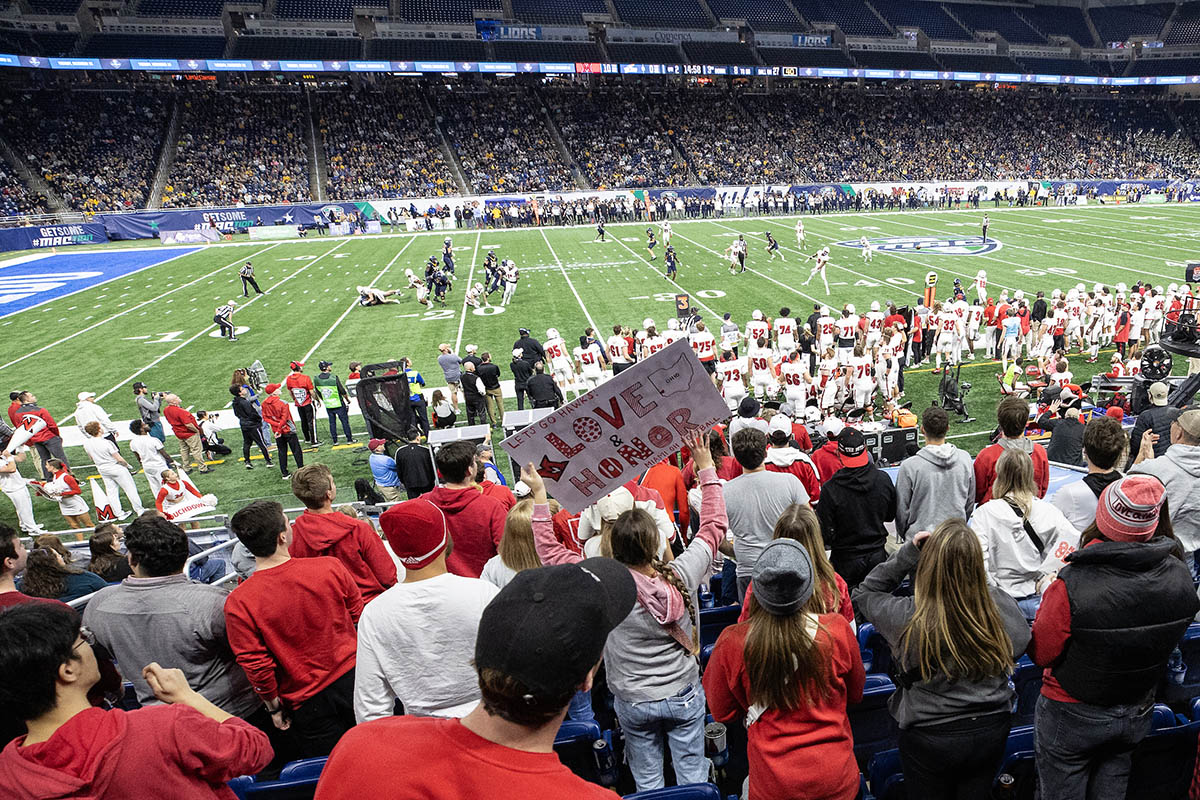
{"type": "Point", "coordinates": [936, 484]}
{"type": "Point", "coordinates": [954, 641]}
{"type": "Point", "coordinates": [1179, 470]}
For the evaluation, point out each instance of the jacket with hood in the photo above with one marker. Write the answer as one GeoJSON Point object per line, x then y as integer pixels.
{"type": "Point", "coordinates": [1179, 470]}
{"type": "Point", "coordinates": [278, 415]}
{"type": "Point", "coordinates": [476, 524]}
{"type": "Point", "coordinates": [795, 462]}
{"type": "Point", "coordinates": [161, 751]}
{"type": "Point", "coordinates": [855, 504]}
{"type": "Point", "coordinates": [826, 460]}
{"type": "Point", "coordinates": [349, 540]}
{"type": "Point", "coordinates": [47, 433]}
{"type": "Point", "coordinates": [985, 466]}
{"type": "Point", "coordinates": [650, 655]}
{"type": "Point", "coordinates": [936, 484]}
{"type": "Point", "coordinates": [1010, 557]}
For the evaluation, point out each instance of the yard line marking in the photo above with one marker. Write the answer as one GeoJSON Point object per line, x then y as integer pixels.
{"type": "Point", "coordinates": [462, 319]}
{"type": "Point", "coordinates": [751, 269]}
{"type": "Point", "coordinates": [346, 313]}
{"type": "Point", "coordinates": [1043, 227]}
{"type": "Point", "coordinates": [563, 269]}
{"type": "Point", "coordinates": [134, 308]}
{"type": "Point", "coordinates": [208, 328]}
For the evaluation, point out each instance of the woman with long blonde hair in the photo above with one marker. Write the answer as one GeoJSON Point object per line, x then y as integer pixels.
{"type": "Point", "coordinates": [954, 643]}
{"type": "Point", "coordinates": [787, 673]}
{"type": "Point", "coordinates": [1025, 539]}
{"type": "Point", "coordinates": [650, 658]}
{"type": "Point", "coordinates": [830, 593]}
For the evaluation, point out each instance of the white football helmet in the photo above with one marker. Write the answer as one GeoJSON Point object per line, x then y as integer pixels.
{"type": "Point", "coordinates": [824, 311]}
{"type": "Point", "coordinates": [647, 323]}
{"type": "Point", "coordinates": [673, 324]}
{"type": "Point", "coordinates": [850, 307]}
{"type": "Point", "coordinates": [757, 315]}
{"type": "Point", "coordinates": [874, 305]}
{"type": "Point", "coordinates": [552, 333]}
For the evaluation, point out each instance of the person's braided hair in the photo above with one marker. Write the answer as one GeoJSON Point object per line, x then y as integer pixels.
{"type": "Point", "coordinates": [672, 577]}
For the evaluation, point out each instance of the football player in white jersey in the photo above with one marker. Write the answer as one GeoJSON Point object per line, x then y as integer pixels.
{"type": "Point", "coordinates": [973, 321]}
{"type": "Point", "coordinates": [800, 233]}
{"type": "Point", "coordinates": [653, 343]}
{"type": "Point", "coordinates": [672, 334]}
{"type": "Point", "coordinates": [981, 287]}
{"type": "Point", "coordinates": [511, 276]}
{"type": "Point", "coordinates": [589, 362]}
{"type": "Point", "coordinates": [889, 362]}
{"type": "Point", "coordinates": [705, 347]}
{"type": "Point", "coordinates": [826, 329]}
{"type": "Point", "coordinates": [474, 295]}
{"type": "Point", "coordinates": [785, 332]}
{"type": "Point", "coordinates": [1156, 306]}
{"type": "Point", "coordinates": [821, 258]}
{"type": "Point", "coordinates": [797, 382]}
{"type": "Point", "coordinates": [847, 334]}
{"type": "Point", "coordinates": [862, 377]}
{"type": "Point", "coordinates": [560, 360]}
{"type": "Point", "coordinates": [949, 330]}
{"type": "Point", "coordinates": [666, 233]}
{"type": "Point", "coordinates": [867, 248]}
{"type": "Point", "coordinates": [757, 327]}
{"type": "Point", "coordinates": [874, 327]}
{"type": "Point", "coordinates": [732, 372]}
{"type": "Point", "coordinates": [762, 369]}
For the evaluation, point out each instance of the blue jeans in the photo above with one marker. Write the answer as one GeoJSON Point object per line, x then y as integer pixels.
{"type": "Point", "coordinates": [580, 709]}
{"type": "Point", "coordinates": [341, 413]}
{"type": "Point", "coordinates": [1029, 605]}
{"type": "Point", "coordinates": [1084, 751]}
{"type": "Point", "coordinates": [679, 719]}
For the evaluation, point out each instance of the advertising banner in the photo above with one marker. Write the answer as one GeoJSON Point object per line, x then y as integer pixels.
{"type": "Point", "coordinates": [33, 238]}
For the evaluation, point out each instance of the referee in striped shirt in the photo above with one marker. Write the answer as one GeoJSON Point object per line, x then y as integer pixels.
{"type": "Point", "coordinates": [223, 316]}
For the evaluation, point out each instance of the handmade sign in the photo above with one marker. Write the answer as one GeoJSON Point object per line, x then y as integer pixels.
{"type": "Point", "coordinates": [617, 431]}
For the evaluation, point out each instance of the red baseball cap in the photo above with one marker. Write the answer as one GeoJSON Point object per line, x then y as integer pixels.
{"type": "Point", "coordinates": [271, 388]}
{"type": "Point", "coordinates": [297, 365]}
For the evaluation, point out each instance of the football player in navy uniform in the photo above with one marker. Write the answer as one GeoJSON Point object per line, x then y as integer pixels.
{"type": "Point", "coordinates": [651, 243]}
{"type": "Point", "coordinates": [669, 258]}
{"type": "Point", "coordinates": [600, 231]}
{"type": "Point", "coordinates": [986, 222]}
{"type": "Point", "coordinates": [448, 255]}
{"type": "Point", "coordinates": [441, 285]}
{"type": "Point", "coordinates": [494, 275]}
{"type": "Point", "coordinates": [431, 267]}
{"type": "Point", "coordinates": [773, 247]}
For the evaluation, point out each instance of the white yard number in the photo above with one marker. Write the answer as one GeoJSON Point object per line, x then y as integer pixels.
{"type": "Point", "coordinates": [163, 338]}
{"type": "Point", "coordinates": [488, 311]}
{"type": "Point", "coordinates": [1037, 273]}
{"type": "Point", "coordinates": [707, 294]}
{"type": "Point", "coordinates": [437, 313]}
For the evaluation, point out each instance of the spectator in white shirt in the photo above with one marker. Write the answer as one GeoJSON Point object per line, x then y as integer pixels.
{"type": "Point", "coordinates": [150, 453]}
{"type": "Point", "coordinates": [113, 469]}
{"type": "Point", "coordinates": [88, 410]}
{"type": "Point", "coordinates": [416, 641]}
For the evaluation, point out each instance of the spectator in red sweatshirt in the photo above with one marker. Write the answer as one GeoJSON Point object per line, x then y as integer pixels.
{"type": "Point", "coordinates": [322, 531]}
{"type": "Point", "coordinates": [476, 521]}
{"type": "Point", "coordinates": [825, 458]}
{"type": "Point", "coordinates": [291, 627]}
{"type": "Point", "coordinates": [47, 442]}
{"type": "Point", "coordinates": [304, 394]}
{"type": "Point", "coordinates": [278, 415]}
{"type": "Point", "coordinates": [783, 457]}
{"type": "Point", "coordinates": [187, 748]}
{"type": "Point", "coordinates": [491, 489]}
{"type": "Point", "coordinates": [1013, 416]}
{"type": "Point", "coordinates": [540, 641]}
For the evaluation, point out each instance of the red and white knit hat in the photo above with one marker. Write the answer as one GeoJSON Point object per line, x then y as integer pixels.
{"type": "Point", "coordinates": [1129, 508]}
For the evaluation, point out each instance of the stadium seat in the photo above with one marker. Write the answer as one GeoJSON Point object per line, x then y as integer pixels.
{"type": "Point", "coordinates": [180, 8]}
{"type": "Point", "coordinates": [549, 12]}
{"type": "Point", "coordinates": [719, 53]}
{"type": "Point", "coordinates": [122, 45]}
{"type": "Point", "coordinates": [1027, 678]}
{"type": "Point", "coordinates": [297, 781]}
{"type": "Point", "coordinates": [339, 48]}
{"type": "Point", "coordinates": [461, 12]}
{"type": "Point", "coordinates": [679, 14]}
{"type": "Point", "coordinates": [577, 748]}
{"type": "Point", "coordinates": [690, 791]}
{"type": "Point", "coordinates": [852, 16]}
{"type": "Point", "coordinates": [761, 16]}
{"type": "Point", "coordinates": [933, 21]}
{"type": "Point", "coordinates": [894, 59]}
{"type": "Point", "coordinates": [1165, 66]}
{"type": "Point", "coordinates": [1163, 762]}
{"type": "Point", "coordinates": [645, 53]}
{"type": "Point", "coordinates": [1058, 21]}
{"type": "Point", "coordinates": [804, 57]}
{"type": "Point", "coordinates": [977, 63]}
{"type": "Point", "coordinates": [426, 50]}
{"type": "Point", "coordinates": [569, 52]}
{"type": "Point", "coordinates": [886, 777]}
{"type": "Point", "coordinates": [705, 655]}
{"type": "Point", "coordinates": [1189, 647]}
{"type": "Point", "coordinates": [1186, 27]}
{"type": "Point", "coordinates": [1001, 19]}
{"type": "Point", "coordinates": [1120, 23]}
{"type": "Point", "coordinates": [715, 620]}
{"type": "Point", "coordinates": [1017, 776]}
{"type": "Point", "coordinates": [876, 655]}
{"type": "Point", "coordinates": [872, 723]}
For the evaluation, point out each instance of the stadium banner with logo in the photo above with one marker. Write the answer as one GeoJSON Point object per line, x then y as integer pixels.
{"type": "Point", "coordinates": [190, 236]}
{"type": "Point", "coordinates": [35, 238]}
{"type": "Point", "coordinates": [617, 431]}
{"type": "Point", "coordinates": [148, 224]}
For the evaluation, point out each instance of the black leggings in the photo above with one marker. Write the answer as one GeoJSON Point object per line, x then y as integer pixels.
{"type": "Point", "coordinates": [225, 327]}
{"type": "Point", "coordinates": [306, 423]}
{"type": "Point", "coordinates": [254, 436]}
{"type": "Point", "coordinates": [283, 442]}
{"type": "Point", "coordinates": [955, 760]}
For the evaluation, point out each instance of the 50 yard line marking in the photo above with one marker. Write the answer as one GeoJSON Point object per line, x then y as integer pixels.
{"type": "Point", "coordinates": [462, 318]}
{"type": "Point", "coordinates": [563, 269]}
{"type": "Point", "coordinates": [207, 328]}
{"type": "Point", "coordinates": [44, 348]}
{"type": "Point", "coordinates": [346, 313]}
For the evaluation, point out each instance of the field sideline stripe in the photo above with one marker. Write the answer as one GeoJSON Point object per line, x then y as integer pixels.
{"type": "Point", "coordinates": [462, 319]}
{"type": "Point", "coordinates": [206, 329]}
{"type": "Point", "coordinates": [132, 308]}
{"type": "Point", "coordinates": [563, 269]}
{"type": "Point", "coordinates": [346, 313]}
{"type": "Point", "coordinates": [1046, 226]}
{"type": "Point", "coordinates": [1149, 227]}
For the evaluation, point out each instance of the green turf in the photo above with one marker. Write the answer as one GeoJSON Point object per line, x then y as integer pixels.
{"type": "Point", "coordinates": [568, 281]}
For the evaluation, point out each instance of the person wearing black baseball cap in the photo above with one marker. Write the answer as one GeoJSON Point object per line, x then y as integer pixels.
{"type": "Point", "coordinates": [540, 640]}
{"type": "Point", "coordinates": [856, 501]}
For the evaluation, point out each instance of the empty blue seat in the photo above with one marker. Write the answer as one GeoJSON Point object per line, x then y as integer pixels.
{"type": "Point", "coordinates": [690, 791]}
{"type": "Point", "coordinates": [876, 655]}
{"type": "Point", "coordinates": [715, 620]}
{"type": "Point", "coordinates": [886, 776]}
{"type": "Point", "coordinates": [1027, 678]}
{"type": "Point", "coordinates": [575, 744]}
{"type": "Point", "coordinates": [1163, 762]}
{"type": "Point", "coordinates": [297, 781]}
{"type": "Point", "coordinates": [872, 723]}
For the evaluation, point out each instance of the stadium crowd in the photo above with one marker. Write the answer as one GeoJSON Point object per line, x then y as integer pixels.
{"type": "Point", "coordinates": [16, 199]}
{"type": "Point", "coordinates": [239, 148]}
{"type": "Point", "coordinates": [459, 628]}
{"type": "Point", "coordinates": [382, 144]}
{"type": "Point", "coordinates": [97, 150]}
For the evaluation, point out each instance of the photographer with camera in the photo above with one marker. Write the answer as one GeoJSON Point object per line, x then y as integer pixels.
{"type": "Point", "coordinates": [150, 408]}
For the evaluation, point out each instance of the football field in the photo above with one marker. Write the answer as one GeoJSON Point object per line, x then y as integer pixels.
{"type": "Point", "coordinates": [149, 317]}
